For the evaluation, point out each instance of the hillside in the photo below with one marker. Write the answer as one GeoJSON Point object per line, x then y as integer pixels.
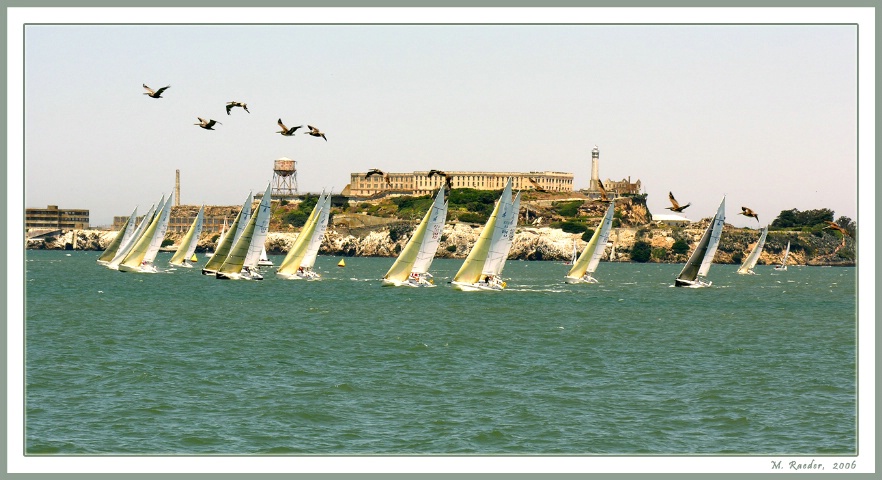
{"type": "Point", "coordinates": [547, 227]}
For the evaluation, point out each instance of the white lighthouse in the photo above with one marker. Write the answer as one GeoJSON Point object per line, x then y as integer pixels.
{"type": "Point", "coordinates": [594, 186]}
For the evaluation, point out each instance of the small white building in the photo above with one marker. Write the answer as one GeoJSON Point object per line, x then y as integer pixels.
{"type": "Point", "coordinates": [670, 220]}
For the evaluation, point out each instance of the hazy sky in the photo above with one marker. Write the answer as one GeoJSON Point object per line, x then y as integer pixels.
{"type": "Point", "coordinates": [764, 114]}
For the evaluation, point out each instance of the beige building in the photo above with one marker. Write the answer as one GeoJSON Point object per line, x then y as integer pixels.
{"type": "Point", "coordinates": [419, 183]}
{"type": "Point", "coordinates": [53, 217]}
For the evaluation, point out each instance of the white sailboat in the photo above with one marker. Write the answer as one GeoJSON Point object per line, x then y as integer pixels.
{"type": "Point", "coordinates": [587, 262]}
{"type": "Point", "coordinates": [783, 266]}
{"type": "Point", "coordinates": [122, 236]}
{"type": "Point", "coordinates": [299, 261]}
{"type": "Point", "coordinates": [220, 238]}
{"type": "Point", "coordinates": [127, 245]}
{"type": "Point", "coordinates": [484, 263]}
{"type": "Point", "coordinates": [264, 260]}
{"type": "Point", "coordinates": [746, 268]}
{"type": "Point", "coordinates": [241, 263]}
{"type": "Point", "coordinates": [696, 268]}
{"type": "Point", "coordinates": [182, 256]}
{"type": "Point", "coordinates": [140, 258]}
{"type": "Point", "coordinates": [226, 243]}
{"type": "Point", "coordinates": [411, 268]}
{"type": "Point", "coordinates": [574, 254]}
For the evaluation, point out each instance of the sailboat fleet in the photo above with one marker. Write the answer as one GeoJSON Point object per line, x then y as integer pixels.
{"type": "Point", "coordinates": [240, 251]}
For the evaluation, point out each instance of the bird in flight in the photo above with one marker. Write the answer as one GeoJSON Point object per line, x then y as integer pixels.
{"type": "Point", "coordinates": [230, 106]}
{"type": "Point", "coordinates": [288, 132]}
{"type": "Point", "coordinates": [603, 197]}
{"type": "Point", "coordinates": [675, 207]}
{"type": "Point", "coordinates": [377, 171]}
{"type": "Point", "coordinates": [448, 179]}
{"type": "Point", "coordinates": [749, 213]}
{"type": "Point", "coordinates": [315, 132]}
{"type": "Point", "coordinates": [154, 94]}
{"type": "Point", "coordinates": [207, 124]}
{"type": "Point", "coordinates": [835, 226]}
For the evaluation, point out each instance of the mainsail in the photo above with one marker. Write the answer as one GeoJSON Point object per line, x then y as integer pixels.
{"type": "Point", "coordinates": [702, 257]}
{"type": "Point", "coordinates": [238, 256]}
{"type": "Point", "coordinates": [753, 257]}
{"type": "Point", "coordinates": [783, 265]}
{"type": "Point", "coordinates": [587, 262]}
{"type": "Point", "coordinates": [224, 245]}
{"type": "Point", "coordinates": [127, 245]}
{"type": "Point", "coordinates": [294, 259]}
{"type": "Point", "coordinates": [122, 236]}
{"type": "Point", "coordinates": [418, 253]}
{"type": "Point", "coordinates": [476, 263]}
{"type": "Point", "coordinates": [191, 238]}
{"type": "Point", "coordinates": [147, 246]}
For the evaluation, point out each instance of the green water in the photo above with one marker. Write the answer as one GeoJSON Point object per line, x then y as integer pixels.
{"type": "Point", "coordinates": [177, 362]}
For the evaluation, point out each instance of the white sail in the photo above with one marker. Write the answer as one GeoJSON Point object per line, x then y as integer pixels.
{"type": "Point", "coordinates": [783, 265]}
{"type": "Point", "coordinates": [140, 258]}
{"type": "Point", "coordinates": [508, 233]}
{"type": "Point", "coordinates": [220, 238]}
{"type": "Point", "coordinates": [587, 262]}
{"type": "Point", "coordinates": [701, 258]}
{"type": "Point", "coordinates": [264, 260]}
{"type": "Point", "coordinates": [237, 265]}
{"type": "Point", "coordinates": [226, 243]}
{"type": "Point", "coordinates": [412, 265]}
{"type": "Point", "coordinates": [747, 267]}
{"type": "Point", "coordinates": [245, 216]}
{"type": "Point", "coordinates": [318, 235]}
{"type": "Point", "coordinates": [717, 229]}
{"type": "Point", "coordinates": [291, 267]}
{"type": "Point", "coordinates": [432, 239]}
{"type": "Point", "coordinates": [500, 241]}
{"type": "Point", "coordinates": [188, 243]}
{"type": "Point", "coordinates": [261, 230]}
{"type": "Point", "coordinates": [122, 236]}
{"type": "Point", "coordinates": [470, 276]}
{"type": "Point", "coordinates": [126, 246]}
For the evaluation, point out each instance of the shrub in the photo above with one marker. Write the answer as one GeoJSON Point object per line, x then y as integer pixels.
{"type": "Point", "coordinates": [570, 226]}
{"type": "Point", "coordinates": [659, 253]}
{"type": "Point", "coordinates": [587, 235]}
{"type": "Point", "coordinates": [470, 217]}
{"type": "Point", "coordinates": [641, 251]}
{"type": "Point", "coordinates": [451, 248]}
{"type": "Point", "coordinates": [680, 247]}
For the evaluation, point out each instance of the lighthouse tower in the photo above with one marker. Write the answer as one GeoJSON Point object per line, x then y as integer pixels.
{"type": "Point", "coordinates": [594, 186]}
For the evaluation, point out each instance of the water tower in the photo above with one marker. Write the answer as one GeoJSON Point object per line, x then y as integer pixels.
{"type": "Point", "coordinates": [284, 178]}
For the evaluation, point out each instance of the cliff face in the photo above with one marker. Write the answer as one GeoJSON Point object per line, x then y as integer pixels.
{"type": "Point", "coordinates": [533, 243]}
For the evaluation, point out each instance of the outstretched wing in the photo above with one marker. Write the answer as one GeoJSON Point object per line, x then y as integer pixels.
{"type": "Point", "coordinates": [673, 200]}
{"type": "Point", "coordinates": [229, 107]}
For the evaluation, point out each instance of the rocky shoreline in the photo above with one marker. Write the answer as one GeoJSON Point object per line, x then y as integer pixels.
{"type": "Point", "coordinates": [530, 243]}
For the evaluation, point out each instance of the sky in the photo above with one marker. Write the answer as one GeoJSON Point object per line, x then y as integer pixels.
{"type": "Point", "coordinates": [763, 114]}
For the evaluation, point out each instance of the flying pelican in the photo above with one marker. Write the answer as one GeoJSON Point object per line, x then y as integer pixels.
{"type": "Point", "coordinates": [749, 213]}
{"type": "Point", "coordinates": [207, 124]}
{"type": "Point", "coordinates": [835, 226]}
{"type": "Point", "coordinates": [448, 179]}
{"type": "Point", "coordinates": [315, 132]}
{"type": "Point", "coordinates": [536, 184]}
{"type": "Point", "coordinates": [157, 94]}
{"type": "Point", "coordinates": [230, 106]}
{"type": "Point", "coordinates": [603, 197]}
{"type": "Point", "coordinates": [288, 132]}
{"type": "Point", "coordinates": [676, 206]}
{"type": "Point", "coordinates": [377, 171]}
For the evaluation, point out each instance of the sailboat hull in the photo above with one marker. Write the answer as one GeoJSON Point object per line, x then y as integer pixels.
{"type": "Point", "coordinates": [746, 272]}
{"type": "Point", "coordinates": [478, 287]}
{"type": "Point", "coordinates": [184, 265]}
{"type": "Point", "coordinates": [691, 283]}
{"type": "Point", "coordinates": [780, 269]}
{"type": "Point", "coordinates": [308, 275]}
{"type": "Point", "coordinates": [407, 283]}
{"type": "Point", "coordinates": [146, 268]}
{"type": "Point", "coordinates": [583, 279]}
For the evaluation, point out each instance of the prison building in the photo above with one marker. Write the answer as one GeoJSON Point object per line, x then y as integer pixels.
{"type": "Point", "coordinates": [420, 183]}
{"type": "Point", "coordinates": [56, 218]}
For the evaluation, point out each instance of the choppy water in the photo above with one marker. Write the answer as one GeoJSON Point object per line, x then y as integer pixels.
{"type": "Point", "coordinates": [177, 362]}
